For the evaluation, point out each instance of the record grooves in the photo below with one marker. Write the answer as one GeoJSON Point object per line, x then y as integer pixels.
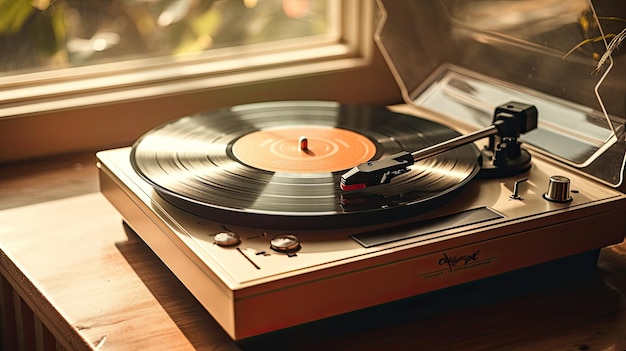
{"type": "Point", "coordinates": [242, 165]}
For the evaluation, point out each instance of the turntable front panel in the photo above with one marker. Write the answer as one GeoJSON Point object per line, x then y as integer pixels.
{"type": "Point", "coordinates": [239, 283]}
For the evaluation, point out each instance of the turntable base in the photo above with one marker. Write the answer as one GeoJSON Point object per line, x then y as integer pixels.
{"type": "Point", "coordinates": [250, 289]}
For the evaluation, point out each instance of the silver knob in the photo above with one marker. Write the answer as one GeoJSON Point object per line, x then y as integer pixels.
{"type": "Point", "coordinates": [558, 189]}
{"type": "Point", "coordinates": [227, 239]}
{"type": "Point", "coordinates": [286, 243]}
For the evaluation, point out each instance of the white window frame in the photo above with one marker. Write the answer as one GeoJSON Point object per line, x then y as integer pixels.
{"type": "Point", "coordinates": [348, 48]}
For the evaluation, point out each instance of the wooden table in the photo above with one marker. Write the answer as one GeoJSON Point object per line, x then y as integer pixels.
{"type": "Point", "coordinates": [74, 277]}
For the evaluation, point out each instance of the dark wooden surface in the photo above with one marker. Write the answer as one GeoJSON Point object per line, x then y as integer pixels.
{"type": "Point", "coordinates": [95, 284]}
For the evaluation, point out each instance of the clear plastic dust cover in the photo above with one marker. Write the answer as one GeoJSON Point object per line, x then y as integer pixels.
{"type": "Point", "coordinates": [462, 58]}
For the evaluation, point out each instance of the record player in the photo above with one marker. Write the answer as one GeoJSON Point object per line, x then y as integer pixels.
{"type": "Point", "coordinates": [276, 214]}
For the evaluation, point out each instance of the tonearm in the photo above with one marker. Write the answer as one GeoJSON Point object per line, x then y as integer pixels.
{"type": "Point", "coordinates": [502, 157]}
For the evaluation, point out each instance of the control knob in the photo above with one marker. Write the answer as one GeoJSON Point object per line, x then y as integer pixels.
{"type": "Point", "coordinates": [285, 243]}
{"type": "Point", "coordinates": [558, 189]}
{"type": "Point", "coordinates": [225, 239]}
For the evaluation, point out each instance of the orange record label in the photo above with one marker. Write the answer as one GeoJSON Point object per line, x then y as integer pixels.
{"type": "Point", "coordinates": [303, 149]}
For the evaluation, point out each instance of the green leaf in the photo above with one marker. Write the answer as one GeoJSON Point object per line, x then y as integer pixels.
{"type": "Point", "coordinates": [13, 15]}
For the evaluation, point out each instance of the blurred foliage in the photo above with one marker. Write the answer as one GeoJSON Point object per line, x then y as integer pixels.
{"type": "Point", "coordinates": [14, 14]}
{"type": "Point", "coordinates": [588, 24]}
{"type": "Point", "coordinates": [47, 34]}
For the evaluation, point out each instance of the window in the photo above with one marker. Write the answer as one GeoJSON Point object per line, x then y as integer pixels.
{"type": "Point", "coordinates": [42, 35]}
{"type": "Point", "coordinates": [59, 49]}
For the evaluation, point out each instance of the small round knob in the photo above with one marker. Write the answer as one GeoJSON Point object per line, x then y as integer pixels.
{"type": "Point", "coordinates": [286, 243]}
{"type": "Point", "coordinates": [227, 239]}
{"type": "Point", "coordinates": [558, 189]}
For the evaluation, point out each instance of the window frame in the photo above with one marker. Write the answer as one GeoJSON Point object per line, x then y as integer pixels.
{"type": "Point", "coordinates": [343, 48]}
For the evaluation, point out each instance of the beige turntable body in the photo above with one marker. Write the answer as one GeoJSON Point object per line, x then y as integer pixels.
{"type": "Point", "coordinates": [251, 289]}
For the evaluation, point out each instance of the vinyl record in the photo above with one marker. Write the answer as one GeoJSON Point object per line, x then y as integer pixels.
{"type": "Point", "coordinates": [277, 165]}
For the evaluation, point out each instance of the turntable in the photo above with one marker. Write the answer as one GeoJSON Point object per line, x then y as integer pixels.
{"type": "Point", "coordinates": [276, 214]}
